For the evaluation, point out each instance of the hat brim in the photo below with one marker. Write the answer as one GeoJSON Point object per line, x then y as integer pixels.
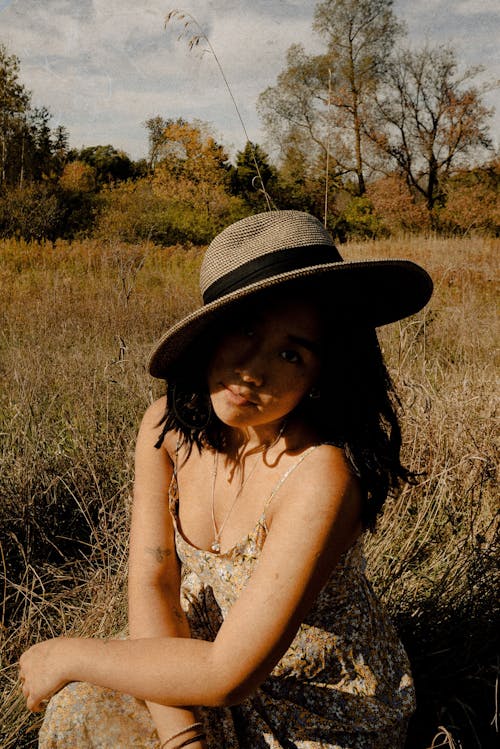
{"type": "Point", "coordinates": [374, 293]}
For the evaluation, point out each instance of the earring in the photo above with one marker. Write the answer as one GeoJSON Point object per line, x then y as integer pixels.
{"type": "Point", "coordinates": [314, 394]}
{"type": "Point", "coordinates": [190, 409]}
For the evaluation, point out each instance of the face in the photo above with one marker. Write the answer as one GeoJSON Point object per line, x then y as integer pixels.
{"type": "Point", "coordinates": [266, 363]}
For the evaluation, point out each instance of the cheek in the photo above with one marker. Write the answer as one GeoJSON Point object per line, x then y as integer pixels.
{"type": "Point", "coordinates": [221, 368]}
{"type": "Point", "coordinates": [293, 388]}
{"type": "Point", "coordinates": [226, 354]}
{"type": "Point", "coordinates": [217, 363]}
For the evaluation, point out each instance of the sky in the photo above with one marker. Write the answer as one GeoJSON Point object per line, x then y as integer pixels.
{"type": "Point", "coordinates": [103, 67]}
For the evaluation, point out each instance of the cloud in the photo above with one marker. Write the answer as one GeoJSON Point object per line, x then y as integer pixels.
{"type": "Point", "coordinates": [103, 66]}
{"type": "Point", "coordinates": [471, 27]}
{"type": "Point", "coordinates": [475, 8]}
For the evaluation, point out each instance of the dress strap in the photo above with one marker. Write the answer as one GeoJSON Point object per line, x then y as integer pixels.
{"type": "Point", "coordinates": [286, 475]}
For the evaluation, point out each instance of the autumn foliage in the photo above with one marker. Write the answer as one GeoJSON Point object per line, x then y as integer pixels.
{"type": "Point", "coordinates": [396, 207]}
{"type": "Point", "coordinates": [374, 136]}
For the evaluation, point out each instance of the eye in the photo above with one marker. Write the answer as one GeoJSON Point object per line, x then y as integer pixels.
{"type": "Point", "coordinates": [248, 330]}
{"type": "Point", "coordinates": [291, 356]}
{"type": "Point", "coordinates": [242, 329]}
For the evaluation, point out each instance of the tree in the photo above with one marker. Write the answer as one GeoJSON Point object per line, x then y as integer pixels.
{"type": "Point", "coordinates": [297, 186]}
{"type": "Point", "coordinates": [432, 118]}
{"type": "Point", "coordinates": [31, 212]}
{"type": "Point", "coordinates": [360, 35]}
{"type": "Point", "coordinates": [78, 176]}
{"type": "Point", "coordinates": [60, 148]}
{"type": "Point", "coordinates": [14, 106]}
{"type": "Point", "coordinates": [294, 111]}
{"type": "Point", "coordinates": [246, 180]}
{"type": "Point", "coordinates": [193, 168]}
{"type": "Point", "coordinates": [396, 206]}
{"type": "Point", "coordinates": [29, 149]}
{"type": "Point", "coordinates": [40, 151]}
{"type": "Point", "coordinates": [473, 200]}
{"type": "Point", "coordinates": [186, 198]}
{"type": "Point", "coordinates": [110, 164]}
{"type": "Point", "coordinates": [329, 96]}
{"type": "Point", "coordinates": [156, 127]}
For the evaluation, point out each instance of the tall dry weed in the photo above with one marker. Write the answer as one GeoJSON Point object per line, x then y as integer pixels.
{"type": "Point", "coordinates": [77, 322]}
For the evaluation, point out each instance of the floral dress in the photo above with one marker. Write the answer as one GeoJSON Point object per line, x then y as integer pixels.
{"type": "Point", "coordinates": [344, 682]}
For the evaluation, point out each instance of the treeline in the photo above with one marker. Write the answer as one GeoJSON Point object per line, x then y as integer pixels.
{"type": "Point", "coordinates": [377, 137]}
{"type": "Point", "coordinates": [386, 137]}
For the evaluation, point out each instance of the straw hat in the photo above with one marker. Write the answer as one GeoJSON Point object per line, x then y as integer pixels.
{"type": "Point", "coordinates": [281, 247]}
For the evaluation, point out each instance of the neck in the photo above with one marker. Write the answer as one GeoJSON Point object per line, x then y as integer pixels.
{"type": "Point", "coordinates": [243, 442]}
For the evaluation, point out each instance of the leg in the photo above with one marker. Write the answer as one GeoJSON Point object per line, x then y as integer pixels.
{"type": "Point", "coordinates": [82, 716]}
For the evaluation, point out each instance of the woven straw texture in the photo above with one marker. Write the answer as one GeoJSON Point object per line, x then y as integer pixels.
{"type": "Point", "coordinates": [255, 236]}
{"type": "Point", "coordinates": [372, 292]}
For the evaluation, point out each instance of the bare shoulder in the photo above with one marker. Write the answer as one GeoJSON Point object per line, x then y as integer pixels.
{"type": "Point", "coordinates": [326, 467]}
{"type": "Point", "coordinates": [152, 423]}
{"type": "Point", "coordinates": [332, 456]}
{"type": "Point", "coordinates": [323, 487]}
{"type": "Point", "coordinates": [154, 412]}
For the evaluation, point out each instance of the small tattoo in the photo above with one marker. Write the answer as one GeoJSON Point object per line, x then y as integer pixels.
{"type": "Point", "coordinates": [159, 554]}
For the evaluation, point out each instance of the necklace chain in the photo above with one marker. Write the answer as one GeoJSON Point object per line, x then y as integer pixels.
{"type": "Point", "coordinates": [215, 546]}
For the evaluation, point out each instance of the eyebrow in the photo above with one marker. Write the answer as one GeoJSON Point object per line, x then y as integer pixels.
{"type": "Point", "coordinates": [306, 343]}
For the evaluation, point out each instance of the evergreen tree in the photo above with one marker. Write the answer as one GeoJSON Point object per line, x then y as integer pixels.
{"type": "Point", "coordinates": [14, 108]}
{"type": "Point", "coordinates": [253, 174]}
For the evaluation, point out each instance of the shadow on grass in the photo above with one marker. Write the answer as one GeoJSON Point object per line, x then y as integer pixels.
{"type": "Point", "coordinates": [455, 664]}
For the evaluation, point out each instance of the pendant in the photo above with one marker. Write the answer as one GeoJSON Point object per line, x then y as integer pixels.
{"type": "Point", "coordinates": [215, 547]}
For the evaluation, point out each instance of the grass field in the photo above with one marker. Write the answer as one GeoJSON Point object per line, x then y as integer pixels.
{"type": "Point", "coordinates": [77, 323]}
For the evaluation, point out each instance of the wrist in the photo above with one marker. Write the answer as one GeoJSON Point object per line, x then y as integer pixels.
{"type": "Point", "coordinates": [64, 656]}
{"type": "Point", "coordinates": [192, 736]}
{"type": "Point", "coordinates": [80, 654]}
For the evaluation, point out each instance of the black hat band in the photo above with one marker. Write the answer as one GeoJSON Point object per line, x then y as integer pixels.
{"type": "Point", "coordinates": [269, 265]}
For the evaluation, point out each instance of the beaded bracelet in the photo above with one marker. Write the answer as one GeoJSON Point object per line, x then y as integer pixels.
{"type": "Point", "coordinates": [192, 727]}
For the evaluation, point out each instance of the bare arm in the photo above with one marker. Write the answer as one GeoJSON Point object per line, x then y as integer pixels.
{"type": "Point", "coordinates": [293, 567]}
{"type": "Point", "coordinates": [154, 575]}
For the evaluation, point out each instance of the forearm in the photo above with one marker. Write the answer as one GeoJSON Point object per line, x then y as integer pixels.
{"type": "Point", "coordinates": [155, 612]}
{"type": "Point", "coordinates": [168, 671]}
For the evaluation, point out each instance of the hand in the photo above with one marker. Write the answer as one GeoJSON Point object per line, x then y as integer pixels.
{"type": "Point", "coordinates": [41, 671]}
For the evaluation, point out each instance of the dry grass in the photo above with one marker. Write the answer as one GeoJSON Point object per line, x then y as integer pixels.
{"type": "Point", "coordinates": [77, 324]}
{"type": "Point", "coordinates": [435, 555]}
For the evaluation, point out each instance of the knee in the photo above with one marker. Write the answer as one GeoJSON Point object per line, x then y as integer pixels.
{"type": "Point", "coordinates": [85, 715]}
{"type": "Point", "coordinates": [76, 694]}
{"type": "Point", "coordinates": [71, 709]}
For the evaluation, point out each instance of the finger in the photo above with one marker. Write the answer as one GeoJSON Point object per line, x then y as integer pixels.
{"type": "Point", "coordinates": [34, 705]}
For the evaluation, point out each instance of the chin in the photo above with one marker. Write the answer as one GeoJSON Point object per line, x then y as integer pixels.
{"type": "Point", "coordinates": [236, 421]}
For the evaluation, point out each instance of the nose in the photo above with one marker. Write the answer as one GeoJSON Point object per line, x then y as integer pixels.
{"type": "Point", "coordinates": [250, 377]}
{"type": "Point", "coordinates": [250, 370]}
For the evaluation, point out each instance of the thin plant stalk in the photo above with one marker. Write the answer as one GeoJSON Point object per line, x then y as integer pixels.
{"type": "Point", "coordinates": [194, 41]}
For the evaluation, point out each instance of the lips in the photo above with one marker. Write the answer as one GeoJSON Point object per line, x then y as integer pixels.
{"type": "Point", "coordinates": [238, 397]}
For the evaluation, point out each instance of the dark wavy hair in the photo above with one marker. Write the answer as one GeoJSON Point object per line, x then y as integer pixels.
{"type": "Point", "coordinates": [357, 408]}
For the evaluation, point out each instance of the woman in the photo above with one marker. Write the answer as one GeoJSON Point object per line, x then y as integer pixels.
{"type": "Point", "coordinates": [251, 622]}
